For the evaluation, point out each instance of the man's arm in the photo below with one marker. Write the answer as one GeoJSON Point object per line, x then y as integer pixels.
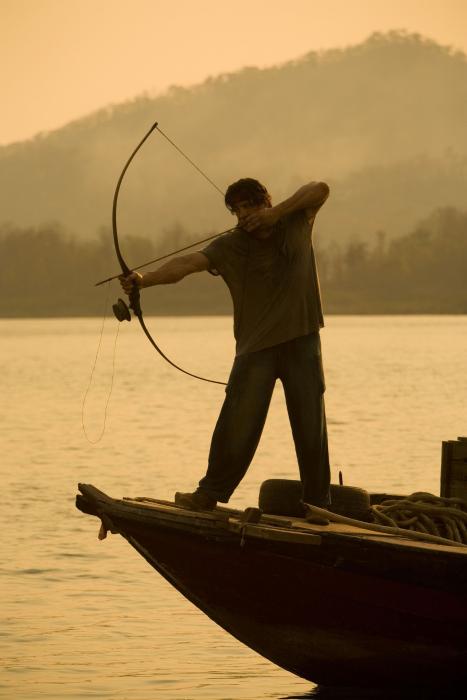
{"type": "Point", "coordinates": [169, 273]}
{"type": "Point", "coordinates": [309, 197]}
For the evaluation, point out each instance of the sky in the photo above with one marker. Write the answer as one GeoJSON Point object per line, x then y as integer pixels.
{"type": "Point", "coordinates": [63, 59]}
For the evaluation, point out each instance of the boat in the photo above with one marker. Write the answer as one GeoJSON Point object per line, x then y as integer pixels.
{"type": "Point", "coordinates": [337, 604]}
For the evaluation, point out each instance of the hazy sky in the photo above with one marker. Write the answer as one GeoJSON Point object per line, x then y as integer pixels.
{"type": "Point", "coordinates": [61, 59]}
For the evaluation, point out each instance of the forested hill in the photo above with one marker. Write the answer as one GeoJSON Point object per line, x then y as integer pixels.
{"type": "Point", "coordinates": [383, 122]}
{"type": "Point", "coordinates": [421, 272]}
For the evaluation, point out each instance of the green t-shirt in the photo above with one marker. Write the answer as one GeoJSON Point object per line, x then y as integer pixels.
{"type": "Point", "coordinates": [273, 282]}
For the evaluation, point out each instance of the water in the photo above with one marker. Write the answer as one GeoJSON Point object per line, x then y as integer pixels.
{"type": "Point", "coordinates": [90, 619]}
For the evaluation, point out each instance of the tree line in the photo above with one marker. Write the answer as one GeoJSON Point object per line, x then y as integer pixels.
{"type": "Point", "coordinates": [47, 272]}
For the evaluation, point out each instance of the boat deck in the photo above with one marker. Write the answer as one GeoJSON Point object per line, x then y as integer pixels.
{"type": "Point", "coordinates": [283, 528]}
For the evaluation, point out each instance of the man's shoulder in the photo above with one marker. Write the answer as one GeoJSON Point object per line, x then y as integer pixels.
{"type": "Point", "coordinates": [235, 235]}
{"type": "Point", "coordinates": [225, 251]}
{"type": "Point", "coordinates": [233, 240]}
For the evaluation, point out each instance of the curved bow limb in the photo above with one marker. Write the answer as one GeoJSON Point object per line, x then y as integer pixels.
{"type": "Point", "coordinates": [120, 309]}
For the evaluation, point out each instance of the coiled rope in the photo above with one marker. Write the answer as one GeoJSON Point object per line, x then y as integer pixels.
{"type": "Point", "coordinates": [426, 513]}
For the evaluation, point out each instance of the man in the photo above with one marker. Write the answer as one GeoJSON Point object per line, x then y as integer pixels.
{"type": "Point", "coordinates": [269, 266]}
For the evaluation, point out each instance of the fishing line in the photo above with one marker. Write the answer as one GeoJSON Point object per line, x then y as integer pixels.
{"type": "Point", "coordinates": [83, 406]}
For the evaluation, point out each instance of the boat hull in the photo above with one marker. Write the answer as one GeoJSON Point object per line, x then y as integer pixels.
{"type": "Point", "coordinates": [332, 609]}
{"type": "Point", "coordinates": [330, 626]}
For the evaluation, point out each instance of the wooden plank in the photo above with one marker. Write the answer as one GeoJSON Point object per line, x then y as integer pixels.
{"type": "Point", "coordinates": [336, 528]}
{"type": "Point", "coordinates": [278, 534]}
{"type": "Point", "coordinates": [219, 513]}
{"type": "Point", "coordinates": [458, 489]}
{"type": "Point", "coordinates": [458, 470]}
{"type": "Point", "coordinates": [454, 468]}
{"type": "Point", "coordinates": [397, 531]}
{"type": "Point", "coordinates": [446, 450]}
{"type": "Point", "coordinates": [418, 544]}
{"type": "Point", "coordinates": [172, 509]}
{"type": "Point", "coordinates": [362, 535]}
{"type": "Point", "coordinates": [160, 501]}
{"type": "Point", "coordinates": [459, 449]}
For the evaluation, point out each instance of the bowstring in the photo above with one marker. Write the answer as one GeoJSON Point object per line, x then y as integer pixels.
{"type": "Point", "coordinates": [83, 406]}
{"type": "Point", "coordinates": [201, 172]}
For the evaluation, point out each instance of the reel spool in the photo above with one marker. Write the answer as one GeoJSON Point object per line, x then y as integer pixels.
{"type": "Point", "coordinates": [121, 311]}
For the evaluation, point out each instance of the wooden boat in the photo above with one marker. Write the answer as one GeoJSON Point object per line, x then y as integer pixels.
{"type": "Point", "coordinates": [338, 605]}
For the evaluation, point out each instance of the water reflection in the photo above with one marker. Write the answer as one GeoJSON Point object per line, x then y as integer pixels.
{"type": "Point", "coordinates": [89, 619]}
{"type": "Point", "coordinates": [321, 692]}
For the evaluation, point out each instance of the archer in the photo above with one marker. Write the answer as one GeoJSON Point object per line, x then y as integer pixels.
{"type": "Point", "coordinates": [269, 266]}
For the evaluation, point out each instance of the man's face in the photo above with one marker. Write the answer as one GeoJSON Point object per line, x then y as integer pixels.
{"type": "Point", "coordinates": [243, 208]}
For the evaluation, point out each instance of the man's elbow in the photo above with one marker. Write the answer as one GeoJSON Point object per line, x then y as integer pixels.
{"type": "Point", "coordinates": [316, 194]}
{"type": "Point", "coordinates": [323, 191]}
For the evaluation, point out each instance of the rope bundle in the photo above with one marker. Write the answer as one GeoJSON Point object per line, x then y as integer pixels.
{"type": "Point", "coordinates": [424, 512]}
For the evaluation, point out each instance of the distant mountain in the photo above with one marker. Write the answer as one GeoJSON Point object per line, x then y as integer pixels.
{"type": "Point", "coordinates": [384, 122]}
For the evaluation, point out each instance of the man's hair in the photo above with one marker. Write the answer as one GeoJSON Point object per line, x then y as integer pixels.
{"type": "Point", "coordinates": [247, 190]}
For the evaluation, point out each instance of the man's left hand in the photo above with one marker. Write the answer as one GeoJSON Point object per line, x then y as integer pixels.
{"type": "Point", "coordinates": [263, 218]}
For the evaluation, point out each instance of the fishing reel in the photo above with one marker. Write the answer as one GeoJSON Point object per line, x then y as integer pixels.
{"type": "Point", "coordinates": [121, 311]}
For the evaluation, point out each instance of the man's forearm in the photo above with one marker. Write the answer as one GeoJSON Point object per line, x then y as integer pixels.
{"type": "Point", "coordinates": [169, 273]}
{"type": "Point", "coordinates": [172, 271]}
{"type": "Point", "coordinates": [309, 196]}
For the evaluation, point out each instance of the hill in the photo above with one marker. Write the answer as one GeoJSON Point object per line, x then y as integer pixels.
{"type": "Point", "coordinates": [383, 122]}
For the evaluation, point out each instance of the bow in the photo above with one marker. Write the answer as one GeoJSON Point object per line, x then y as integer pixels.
{"type": "Point", "coordinates": [121, 310]}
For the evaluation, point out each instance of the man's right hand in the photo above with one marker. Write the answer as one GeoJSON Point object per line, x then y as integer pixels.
{"type": "Point", "coordinates": [130, 281]}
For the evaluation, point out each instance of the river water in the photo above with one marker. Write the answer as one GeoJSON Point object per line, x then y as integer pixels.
{"type": "Point", "coordinates": [90, 619]}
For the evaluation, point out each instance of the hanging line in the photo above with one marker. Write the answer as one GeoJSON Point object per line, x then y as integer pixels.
{"type": "Point", "coordinates": [83, 405]}
{"type": "Point", "coordinates": [109, 279]}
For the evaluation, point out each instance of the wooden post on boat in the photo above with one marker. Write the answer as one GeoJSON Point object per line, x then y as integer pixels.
{"type": "Point", "coordinates": [454, 468]}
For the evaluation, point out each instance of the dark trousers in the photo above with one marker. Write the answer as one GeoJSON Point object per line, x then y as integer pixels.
{"type": "Point", "coordinates": [297, 363]}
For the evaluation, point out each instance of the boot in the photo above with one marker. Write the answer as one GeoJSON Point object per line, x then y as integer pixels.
{"type": "Point", "coordinates": [195, 501]}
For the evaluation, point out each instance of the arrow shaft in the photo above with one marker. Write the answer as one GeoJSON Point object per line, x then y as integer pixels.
{"type": "Point", "coordinates": [167, 255]}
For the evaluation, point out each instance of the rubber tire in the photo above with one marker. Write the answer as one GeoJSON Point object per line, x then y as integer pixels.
{"type": "Point", "coordinates": [283, 497]}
